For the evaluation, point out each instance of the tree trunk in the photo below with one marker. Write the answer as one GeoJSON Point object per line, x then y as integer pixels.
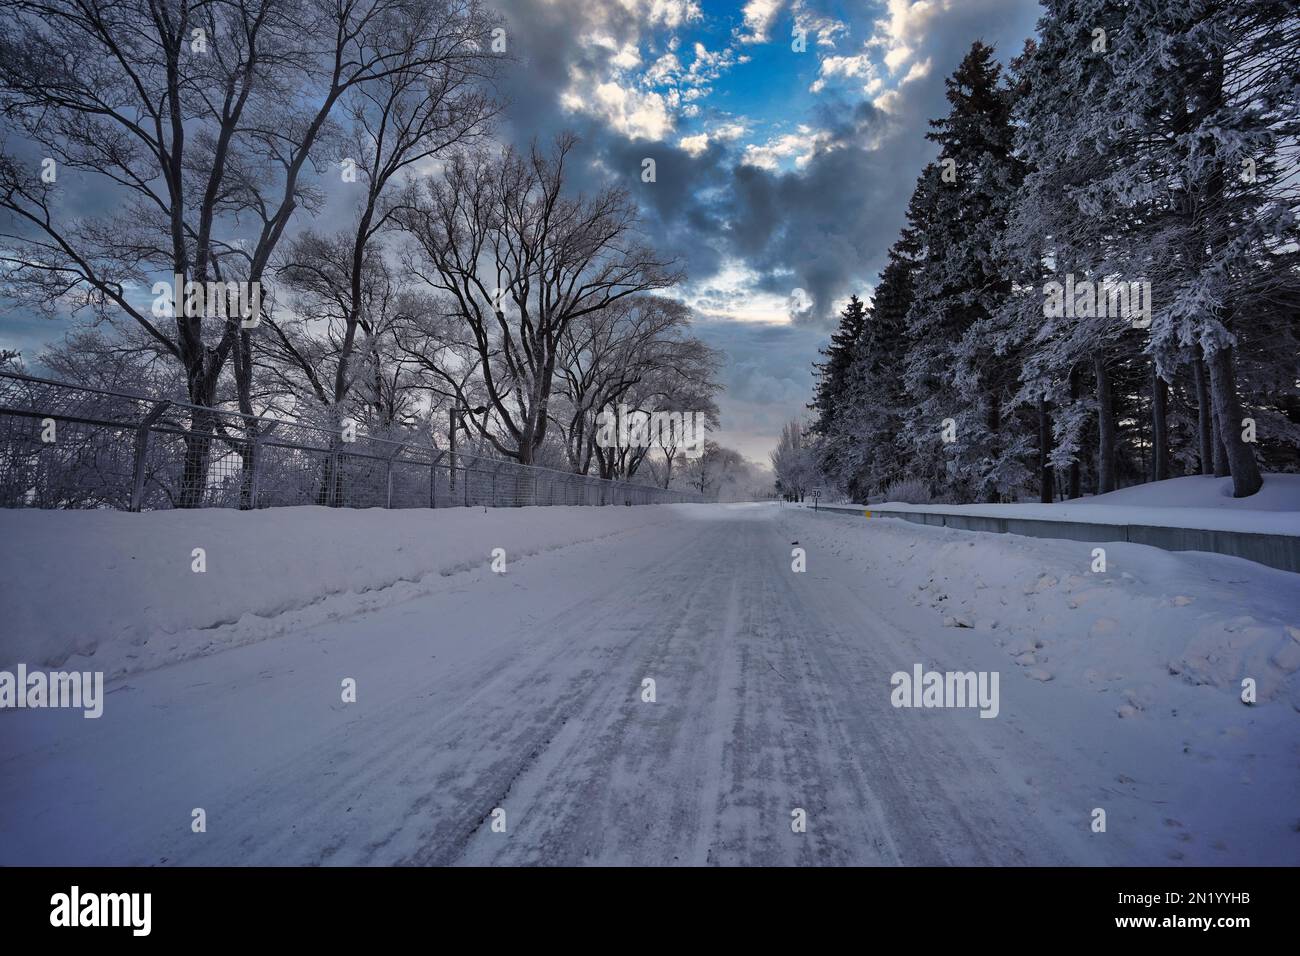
{"type": "Point", "coordinates": [1045, 476]}
{"type": "Point", "coordinates": [198, 455]}
{"type": "Point", "coordinates": [1220, 453]}
{"type": "Point", "coordinates": [1159, 426]}
{"type": "Point", "coordinates": [994, 421]}
{"type": "Point", "coordinates": [242, 355]}
{"type": "Point", "coordinates": [1204, 418]}
{"type": "Point", "coordinates": [1075, 489]}
{"type": "Point", "coordinates": [1105, 428]}
{"type": "Point", "coordinates": [1246, 479]}
{"type": "Point", "coordinates": [325, 495]}
{"type": "Point", "coordinates": [198, 444]}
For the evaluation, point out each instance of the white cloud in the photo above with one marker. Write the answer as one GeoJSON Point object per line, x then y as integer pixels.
{"type": "Point", "coordinates": [681, 85]}
{"type": "Point", "coordinates": [887, 101]}
{"type": "Point", "coordinates": [642, 103]}
{"type": "Point", "coordinates": [709, 65]}
{"type": "Point", "coordinates": [694, 144]}
{"type": "Point", "coordinates": [904, 29]}
{"type": "Point", "coordinates": [801, 146]}
{"type": "Point", "coordinates": [665, 70]}
{"type": "Point", "coordinates": [843, 66]}
{"type": "Point", "coordinates": [825, 28]}
{"type": "Point", "coordinates": [759, 16]}
{"type": "Point", "coordinates": [731, 293]}
{"type": "Point", "coordinates": [628, 57]}
{"type": "Point", "coordinates": [669, 13]}
{"type": "Point", "coordinates": [625, 56]}
{"type": "Point", "coordinates": [697, 144]}
{"type": "Point", "coordinates": [897, 56]}
{"type": "Point", "coordinates": [919, 71]}
{"type": "Point", "coordinates": [637, 114]}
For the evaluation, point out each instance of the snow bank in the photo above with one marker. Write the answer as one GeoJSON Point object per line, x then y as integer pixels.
{"type": "Point", "coordinates": [117, 592]}
{"type": "Point", "coordinates": [1149, 618]}
{"type": "Point", "coordinates": [1193, 502]}
{"type": "Point", "coordinates": [1124, 686]}
{"type": "Point", "coordinates": [1280, 493]}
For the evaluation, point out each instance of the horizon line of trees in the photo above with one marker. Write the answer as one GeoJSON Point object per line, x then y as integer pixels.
{"type": "Point", "coordinates": [1151, 143]}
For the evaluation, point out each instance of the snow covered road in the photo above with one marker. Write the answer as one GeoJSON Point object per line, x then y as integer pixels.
{"type": "Point", "coordinates": [524, 691]}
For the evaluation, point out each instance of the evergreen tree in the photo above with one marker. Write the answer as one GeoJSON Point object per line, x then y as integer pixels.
{"type": "Point", "coordinates": [1198, 111]}
{"type": "Point", "coordinates": [1146, 146]}
{"type": "Point", "coordinates": [828, 394]}
{"type": "Point", "coordinates": [861, 451]}
{"type": "Point", "coordinates": [960, 381]}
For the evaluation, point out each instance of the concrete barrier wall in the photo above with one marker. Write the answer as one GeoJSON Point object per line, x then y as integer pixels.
{"type": "Point", "coordinates": [1274, 550]}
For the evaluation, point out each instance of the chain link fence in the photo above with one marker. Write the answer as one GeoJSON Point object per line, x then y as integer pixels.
{"type": "Point", "coordinates": [68, 446]}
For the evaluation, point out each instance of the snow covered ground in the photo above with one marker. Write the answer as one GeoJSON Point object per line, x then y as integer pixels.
{"type": "Point", "coordinates": [524, 691]}
{"type": "Point", "coordinates": [1191, 502]}
{"type": "Point", "coordinates": [122, 587]}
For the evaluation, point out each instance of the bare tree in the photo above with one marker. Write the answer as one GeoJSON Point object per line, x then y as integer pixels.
{"type": "Point", "coordinates": [519, 261]}
{"type": "Point", "coordinates": [793, 462]}
{"type": "Point", "coordinates": [708, 473]}
{"type": "Point", "coordinates": [693, 388]}
{"type": "Point", "coordinates": [636, 352]}
{"type": "Point", "coordinates": [200, 119]}
{"type": "Point", "coordinates": [409, 115]}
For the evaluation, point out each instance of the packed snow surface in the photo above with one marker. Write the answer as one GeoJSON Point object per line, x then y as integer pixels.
{"type": "Point", "coordinates": [526, 692]}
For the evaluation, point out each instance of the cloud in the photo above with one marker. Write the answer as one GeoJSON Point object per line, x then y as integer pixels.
{"type": "Point", "coordinates": [800, 146]}
{"type": "Point", "coordinates": [669, 13]}
{"type": "Point", "coordinates": [634, 113]}
{"type": "Point", "coordinates": [918, 71]}
{"type": "Point", "coordinates": [813, 200]}
{"type": "Point", "coordinates": [759, 15]}
{"type": "Point", "coordinates": [896, 57]}
{"type": "Point", "coordinates": [825, 28]}
{"type": "Point", "coordinates": [858, 66]}
{"type": "Point", "coordinates": [697, 144]}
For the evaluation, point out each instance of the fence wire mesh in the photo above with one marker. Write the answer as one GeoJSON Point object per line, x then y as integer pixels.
{"type": "Point", "coordinates": [69, 446]}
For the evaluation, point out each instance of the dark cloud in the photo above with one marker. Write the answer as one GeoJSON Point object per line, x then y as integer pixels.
{"type": "Point", "coordinates": [823, 227]}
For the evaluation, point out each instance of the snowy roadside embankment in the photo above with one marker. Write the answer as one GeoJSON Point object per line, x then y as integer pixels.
{"type": "Point", "coordinates": [119, 592]}
{"type": "Point", "coordinates": [1138, 677]}
{"type": "Point", "coordinates": [1143, 618]}
{"type": "Point", "coordinates": [1200, 502]}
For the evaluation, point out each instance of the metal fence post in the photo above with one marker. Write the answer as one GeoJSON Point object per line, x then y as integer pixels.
{"type": "Point", "coordinates": [142, 433]}
{"type": "Point", "coordinates": [255, 482]}
{"type": "Point", "coordinates": [388, 475]}
{"type": "Point", "coordinates": [433, 479]}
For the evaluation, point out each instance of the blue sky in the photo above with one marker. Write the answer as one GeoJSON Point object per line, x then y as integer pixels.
{"type": "Point", "coordinates": [782, 175]}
